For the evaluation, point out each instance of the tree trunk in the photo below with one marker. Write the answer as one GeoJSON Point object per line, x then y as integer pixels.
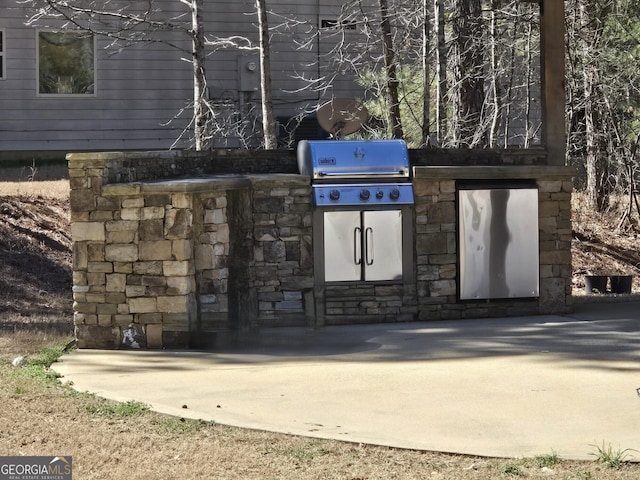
{"type": "Point", "coordinates": [508, 94]}
{"type": "Point", "coordinates": [595, 163]}
{"type": "Point", "coordinates": [495, 89]}
{"type": "Point", "coordinates": [469, 76]}
{"type": "Point", "coordinates": [528, 81]}
{"type": "Point", "coordinates": [441, 66]}
{"type": "Point", "coordinates": [268, 120]}
{"type": "Point", "coordinates": [426, 91]}
{"type": "Point", "coordinates": [200, 109]}
{"type": "Point", "coordinates": [394, 126]}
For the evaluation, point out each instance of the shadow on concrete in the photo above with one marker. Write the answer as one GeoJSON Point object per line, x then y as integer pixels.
{"type": "Point", "coordinates": [596, 336]}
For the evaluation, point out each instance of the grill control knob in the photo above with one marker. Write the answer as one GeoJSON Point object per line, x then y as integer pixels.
{"type": "Point", "coordinates": [394, 194]}
{"type": "Point", "coordinates": [365, 194]}
{"type": "Point", "coordinates": [334, 195]}
{"type": "Point", "coordinates": [379, 194]}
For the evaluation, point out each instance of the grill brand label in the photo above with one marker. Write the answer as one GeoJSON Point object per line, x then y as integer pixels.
{"type": "Point", "coordinates": [327, 161]}
{"type": "Point", "coordinates": [36, 468]}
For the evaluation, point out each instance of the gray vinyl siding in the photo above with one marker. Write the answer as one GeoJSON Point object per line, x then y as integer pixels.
{"type": "Point", "coordinates": [136, 91]}
{"type": "Point", "coordinates": [139, 90]}
{"type": "Point", "coordinates": [289, 62]}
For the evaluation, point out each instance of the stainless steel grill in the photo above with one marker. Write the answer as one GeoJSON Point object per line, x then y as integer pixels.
{"type": "Point", "coordinates": [352, 172]}
{"type": "Point", "coordinates": [363, 195]}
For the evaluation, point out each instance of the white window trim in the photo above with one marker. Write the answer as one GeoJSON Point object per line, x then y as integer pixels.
{"type": "Point", "coordinates": [65, 95]}
{"type": "Point", "coordinates": [3, 50]}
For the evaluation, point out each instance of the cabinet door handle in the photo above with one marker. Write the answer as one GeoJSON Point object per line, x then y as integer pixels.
{"type": "Point", "coordinates": [357, 242]}
{"type": "Point", "coordinates": [368, 245]}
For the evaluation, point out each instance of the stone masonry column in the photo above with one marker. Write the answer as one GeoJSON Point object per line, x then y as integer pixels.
{"type": "Point", "coordinates": [89, 215]}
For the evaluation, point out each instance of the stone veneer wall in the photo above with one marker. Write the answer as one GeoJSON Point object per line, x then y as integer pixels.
{"type": "Point", "coordinates": [369, 303]}
{"type": "Point", "coordinates": [179, 262]}
{"type": "Point", "coordinates": [282, 250]}
{"type": "Point", "coordinates": [436, 241]}
{"type": "Point", "coordinates": [172, 249]}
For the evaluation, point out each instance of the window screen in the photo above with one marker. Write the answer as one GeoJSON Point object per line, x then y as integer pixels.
{"type": "Point", "coordinates": [66, 63]}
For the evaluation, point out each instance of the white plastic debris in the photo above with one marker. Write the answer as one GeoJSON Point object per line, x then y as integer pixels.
{"type": "Point", "coordinates": [19, 361]}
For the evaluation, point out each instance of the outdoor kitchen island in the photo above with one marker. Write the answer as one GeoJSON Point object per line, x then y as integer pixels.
{"type": "Point", "coordinates": [185, 249]}
{"type": "Point", "coordinates": [439, 251]}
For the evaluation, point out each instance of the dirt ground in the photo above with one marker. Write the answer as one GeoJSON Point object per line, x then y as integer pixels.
{"type": "Point", "coordinates": [35, 258]}
{"type": "Point", "coordinates": [601, 245]}
{"type": "Point", "coordinates": [41, 417]}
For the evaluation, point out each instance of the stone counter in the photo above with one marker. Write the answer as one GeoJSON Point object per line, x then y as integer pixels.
{"type": "Point", "coordinates": [493, 172]}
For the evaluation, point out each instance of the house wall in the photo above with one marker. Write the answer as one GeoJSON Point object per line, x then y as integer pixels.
{"type": "Point", "coordinates": [136, 90]}
{"type": "Point", "coordinates": [140, 89]}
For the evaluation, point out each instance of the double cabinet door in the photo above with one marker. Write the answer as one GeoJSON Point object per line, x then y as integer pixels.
{"type": "Point", "coordinates": [363, 245]}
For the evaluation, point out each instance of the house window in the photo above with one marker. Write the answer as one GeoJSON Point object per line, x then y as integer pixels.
{"type": "Point", "coordinates": [333, 23]}
{"type": "Point", "coordinates": [2, 47]}
{"type": "Point", "coordinates": [66, 63]}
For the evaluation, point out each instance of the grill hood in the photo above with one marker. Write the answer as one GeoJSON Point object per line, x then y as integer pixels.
{"type": "Point", "coordinates": [333, 160]}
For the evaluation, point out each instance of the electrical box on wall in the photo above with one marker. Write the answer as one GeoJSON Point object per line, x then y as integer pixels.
{"type": "Point", "coordinates": [249, 73]}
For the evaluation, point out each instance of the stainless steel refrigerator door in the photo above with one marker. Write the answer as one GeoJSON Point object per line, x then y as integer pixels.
{"type": "Point", "coordinates": [382, 245]}
{"type": "Point", "coordinates": [498, 239]}
{"type": "Point", "coordinates": [342, 246]}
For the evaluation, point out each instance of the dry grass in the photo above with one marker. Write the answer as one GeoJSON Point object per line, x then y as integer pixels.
{"type": "Point", "coordinates": [585, 220]}
{"type": "Point", "coordinates": [46, 189]}
{"type": "Point", "coordinates": [46, 181]}
{"type": "Point", "coordinates": [111, 441]}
